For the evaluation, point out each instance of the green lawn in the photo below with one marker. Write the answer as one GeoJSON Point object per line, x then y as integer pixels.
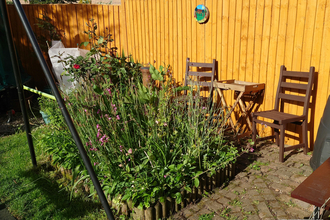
{"type": "Point", "coordinates": [37, 193]}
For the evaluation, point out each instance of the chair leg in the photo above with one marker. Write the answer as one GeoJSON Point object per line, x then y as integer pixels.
{"type": "Point", "coordinates": [282, 135]}
{"type": "Point", "coordinates": [276, 132]}
{"type": "Point", "coordinates": [305, 137]}
{"type": "Point", "coordinates": [254, 132]}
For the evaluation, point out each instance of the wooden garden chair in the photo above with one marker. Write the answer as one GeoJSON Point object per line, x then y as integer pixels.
{"type": "Point", "coordinates": [282, 119]}
{"type": "Point", "coordinates": [200, 74]}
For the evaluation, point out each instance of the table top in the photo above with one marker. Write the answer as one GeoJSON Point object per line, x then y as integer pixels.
{"type": "Point", "coordinates": [315, 189]}
{"type": "Point", "coordinates": [237, 85]}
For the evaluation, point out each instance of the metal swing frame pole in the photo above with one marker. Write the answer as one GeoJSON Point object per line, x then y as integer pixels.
{"type": "Point", "coordinates": [19, 85]}
{"type": "Point", "coordinates": [63, 108]}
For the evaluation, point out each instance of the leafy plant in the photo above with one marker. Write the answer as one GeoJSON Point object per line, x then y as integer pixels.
{"type": "Point", "coordinates": [145, 144]}
{"type": "Point", "coordinates": [102, 63]}
{"type": "Point", "coordinates": [206, 216]}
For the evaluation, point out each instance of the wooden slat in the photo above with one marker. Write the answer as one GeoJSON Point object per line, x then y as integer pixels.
{"type": "Point", "coordinates": [296, 74]}
{"type": "Point", "coordinates": [191, 73]}
{"type": "Point", "coordinates": [237, 40]}
{"type": "Point", "coordinates": [274, 32]}
{"type": "Point", "coordinates": [292, 97]}
{"type": "Point", "coordinates": [294, 85]}
{"type": "Point", "coordinates": [181, 65]}
{"type": "Point", "coordinates": [244, 40]}
{"type": "Point", "coordinates": [206, 65]}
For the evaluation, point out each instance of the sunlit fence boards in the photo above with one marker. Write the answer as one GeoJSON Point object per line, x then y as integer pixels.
{"type": "Point", "coordinates": [249, 39]}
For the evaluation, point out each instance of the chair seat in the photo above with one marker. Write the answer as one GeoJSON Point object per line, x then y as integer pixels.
{"type": "Point", "coordinates": [280, 117]}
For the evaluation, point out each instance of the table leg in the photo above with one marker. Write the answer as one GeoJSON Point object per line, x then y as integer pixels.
{"type": "Point", "coordinates": [233, 107]}
{"type": "Point", "coordinates": [245, 114]}
{"type": "Point", "coordinates": [224, 103]}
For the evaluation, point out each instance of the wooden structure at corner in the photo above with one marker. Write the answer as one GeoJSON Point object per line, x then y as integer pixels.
{"type": "Point", "coordinates": [315, 189]}
{"type": "Point", "coordinates": [301, 83]}
{"type": "Point", "coordinates": [241, 87]}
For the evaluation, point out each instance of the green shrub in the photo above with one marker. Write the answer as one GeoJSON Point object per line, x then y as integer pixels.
{"type": "Point", "coordinates": [145, 144]}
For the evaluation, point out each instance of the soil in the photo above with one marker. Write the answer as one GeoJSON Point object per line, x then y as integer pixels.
{"type": "Point", "coordinates": [14, 124]}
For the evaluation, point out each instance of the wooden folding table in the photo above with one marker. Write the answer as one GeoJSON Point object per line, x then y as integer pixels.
{"type": "Point", "coordinates": [241, 87]}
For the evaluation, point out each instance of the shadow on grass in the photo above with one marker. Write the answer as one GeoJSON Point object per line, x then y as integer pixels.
{"type": "Point", "coordinates": [55, 202]}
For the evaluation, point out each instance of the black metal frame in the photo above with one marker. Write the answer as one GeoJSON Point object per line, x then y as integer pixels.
{"type": "Point", "coordinates": [55, 91]}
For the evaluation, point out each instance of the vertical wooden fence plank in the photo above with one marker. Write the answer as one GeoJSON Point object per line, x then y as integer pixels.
{"type": "Point", "coordinates": [237, 39]}
{"type": "Point", "coordinates": [166, 33]}
{"type": "Point", "coordinates": [271, 66]}
{"type": "Point", "coordinates": [219, 39]}
{"type": "Point", "coordinates": [180, 40]}
{"type": "Point", "coordinates": [243, 39]}
{"type": "Point", "coordinates": [251, 42]}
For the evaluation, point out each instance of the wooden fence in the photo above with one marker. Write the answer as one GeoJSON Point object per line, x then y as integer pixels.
{"type": "Point", "coordinates": [249, 39]}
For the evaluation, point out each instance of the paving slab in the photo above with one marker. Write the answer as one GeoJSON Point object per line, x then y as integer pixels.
{"type": "Point", "coordinates": [258, 194]}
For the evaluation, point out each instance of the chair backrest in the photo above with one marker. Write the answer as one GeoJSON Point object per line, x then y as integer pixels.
{"type": "Point", "coordinates": [199, 73]}
{"type": "Point", "coordinates": [300, 85]}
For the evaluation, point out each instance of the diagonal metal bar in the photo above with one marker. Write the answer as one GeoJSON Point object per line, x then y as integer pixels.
{"type": "Point", "coordinates": [63, 108]}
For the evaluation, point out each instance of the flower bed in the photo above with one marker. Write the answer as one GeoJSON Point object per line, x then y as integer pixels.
{"type": "Point", "coordinates": [145, 145]}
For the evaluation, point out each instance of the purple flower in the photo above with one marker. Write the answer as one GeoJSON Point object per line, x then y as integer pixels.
{"type": "Point", "coordinates": [165, 176]}
{"type": "Point", "coordinates": [129, 151]}
{"type": "Point", "coordinates": [165, 124]}
{"type": "Point", "coordinates": [96, 163]}
{"type": "Point", "coordinates": [129, 159]}
{"type": "Point", "coordinates": [98, 126]}
{"type": "Point", "coordinates": [98, 111]}
{"type": "Point", "coordinates": [251, 149]}
{"type": "Point", "coordinates": [85, 110]}
{"type": "Point", "coordinates": [109, 90]}
{"type": "Point", "coordinates": [118, 118]}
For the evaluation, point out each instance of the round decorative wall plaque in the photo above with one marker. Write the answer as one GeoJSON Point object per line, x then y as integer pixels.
{"type": "Point", "coordinates": [201, 13]}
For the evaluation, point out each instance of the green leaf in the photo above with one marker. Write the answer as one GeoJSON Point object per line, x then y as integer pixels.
{"type": "Point", "coordinates": [100, 41]}
{"type": "Point", "coordinates": [178, 197]}
{"type": "Point", "coordinates": [126, 197]}
{"type": "Point", "coordinates": [97, 89]}
{"type": "Point", "coordinates": [171, 167]}
{"type": "Point", "coordinates": [84, 43]}
{"type": "Point", "coordinates": [196, 181]}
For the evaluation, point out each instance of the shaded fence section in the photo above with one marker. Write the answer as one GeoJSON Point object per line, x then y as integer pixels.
{"type": "Point", "coordinates": [249, 39]}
